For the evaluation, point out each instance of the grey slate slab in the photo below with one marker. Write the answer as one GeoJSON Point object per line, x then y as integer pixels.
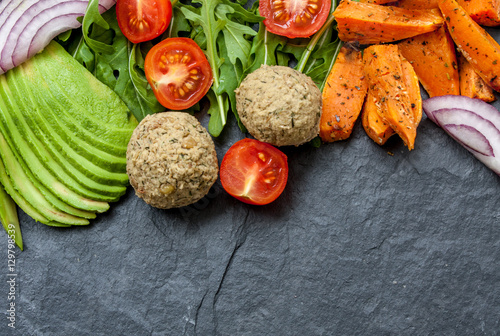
{"type": "Point", "coordinates": [365, 240]}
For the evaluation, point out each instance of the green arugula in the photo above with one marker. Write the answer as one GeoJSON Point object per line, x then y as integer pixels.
{"type": "Point", "coordinates": [226, 28]}
{"type": "Point", "coordinates": [266, 49]}
{"type": "Point", "coordinates": [320, 53]}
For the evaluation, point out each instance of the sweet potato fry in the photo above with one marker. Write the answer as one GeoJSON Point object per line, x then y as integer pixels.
{"type": "Point", "coordinates": [385, 74]}
{"type": "Point", "coordinates": [478, 47]}
{"type": "Point", "coordinates": [433, 57]}
{"type": "Point", "coordinates": [375, 127]}
{"type": "Point", "coordinates": [343, 95]}
{"type": "Point", "coordinates": [372, 24]}
{"type": "Point", "coordinates": [471, 85]}
{"type": "Point", "coordinates": [484, 12]}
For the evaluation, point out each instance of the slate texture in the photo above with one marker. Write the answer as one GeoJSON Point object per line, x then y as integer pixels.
{"type": "Point", "coordinates": [365, 240]}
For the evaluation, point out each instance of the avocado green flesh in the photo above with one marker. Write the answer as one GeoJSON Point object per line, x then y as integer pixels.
{"type": "Point", "coordinates": [50, 196]}
{"type": "Point", "coordinates": [98, 151]}
{"type": "Point", "coordinates": [57, 76]}
{"type": "Point", "coordinates": [18, 198]}
{"type": "Point", "coordinates": [63, 139]}
{"type": "Point", "coordinates": [78, 167]}
{"type": "Point", "coordinates": [121, 121]}
{"type": "Point", "coordinates": [26, 145]}
{"type": "Point", "coordinates": [22, 183]}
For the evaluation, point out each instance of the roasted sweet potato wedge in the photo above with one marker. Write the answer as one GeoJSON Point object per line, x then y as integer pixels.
{"type": "Point", "coordinates": [343, 95]}
{"type": "Point", "coordinates": [471, 85]}
{"type": "Point", "coordinates": [373, 123]}
{"type": "Point", "coordinates": [433, 57]}
{"type": "Point", "coordinates": [386, 79]}
{"type": "Point", "coordinates": [478, 47]}
{"type": "Point", "coordinates": [411, 83]}
{"type": "Point", "coordinates": [484, 12]}
{"type": "Point", "coordinates": [371, 24]}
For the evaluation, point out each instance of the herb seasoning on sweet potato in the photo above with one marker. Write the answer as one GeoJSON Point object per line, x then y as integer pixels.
{"type": "Point", "coordinates": [370, 24]}
{"type": "Point", "coordinates": [471, 85]}
{"type": "Point", "coordinates": [343, 95]}
{"type": "Point", "coordinates": [478, 47]}
{"type": "Point", "coordinates": [373, 123]}
{"type": "Point", "coordinates": [432, 55]}
{"type": "Point", "coordinates": [412, 86]}
{"type": "Point", "coordinates": [484, 12]}
{"type": "Point", "coordinates": [386, 79]}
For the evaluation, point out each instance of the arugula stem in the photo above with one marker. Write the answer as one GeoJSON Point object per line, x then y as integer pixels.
{"type": "Point", "coordinates": [212, 57]}
{"type": "Point", "coordinates": [312, 43]}
{"type": "Point", "coordinates": [265, 44]}
{"type": "Point", "coordinates": [8, 217]}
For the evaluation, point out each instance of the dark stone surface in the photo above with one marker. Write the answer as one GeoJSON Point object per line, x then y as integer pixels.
{"type": "Point", "coordinates": [361, 242]}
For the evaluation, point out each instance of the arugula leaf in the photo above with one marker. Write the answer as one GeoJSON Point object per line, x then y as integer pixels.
{"type": "Point", "coordinates": [179, 26]}
{"type": "Point", "coordinates": [321, 52]}
{"type": "Point", "coordinates": [217, 17]}
{"type": "Point", "coordinates": [265, 46]}
{"type": "Point", "coordinates": [93, 16]}
{"type": "Point", "coordinates": [138, 77]}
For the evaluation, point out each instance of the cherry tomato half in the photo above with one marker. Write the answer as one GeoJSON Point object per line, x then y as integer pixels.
{"type": "Point", "coordinates": [143, 20]}
{"type": "Point", "coordinates": [254, 172]}
{"type": "Point", "coordinates": [178, 72]}
{"type": "Point", "coordinates": [294, 18]}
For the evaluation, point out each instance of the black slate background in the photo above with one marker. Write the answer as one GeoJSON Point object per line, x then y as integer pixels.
{"type": "Point", "coordinates": [361, 242]}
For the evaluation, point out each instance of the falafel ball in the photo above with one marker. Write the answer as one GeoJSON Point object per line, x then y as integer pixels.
{"type": "Point", "coordinates": [171, 160]}
{"type": "Point", "coordinates": [279, 105]}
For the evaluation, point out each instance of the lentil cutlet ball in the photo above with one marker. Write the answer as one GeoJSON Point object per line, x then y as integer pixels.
{"type": "Point", "coordinates": [279, 105]}
{"type": "Point", "coordinates": [171, 160]}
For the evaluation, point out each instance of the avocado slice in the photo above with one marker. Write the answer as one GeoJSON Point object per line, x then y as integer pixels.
{"type": "Point", "coordinates": [120, 120]}
{"type": "Point", "coordinates": [30, 162]}
{"type": "Point", "coordinates": [35, 157]}
{"type": "Point", "coordinates": [8, 216]}
{"type": "Point", "coordinates": [56, 112]}
{"type": "Point", "coordinates": [56, 71]}
{"type": "Point", "coordinates": [22, 183]}
{"type": "Point", "coordinates": [93, 177]}
{"type": "Point", "coordinates": [18, 198]}
{"type": "Point", "coordinates": [49, 196]}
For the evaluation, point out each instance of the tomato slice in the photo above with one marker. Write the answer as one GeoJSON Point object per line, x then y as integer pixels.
{"type": "Point", "coordinates": [143, 20]}
{"type": "Point", "coordinates": [294, 18]}
{"type": "Point", "coordinates": [178, 72]}
{"type": "Point", "coordinates": [254, 172]}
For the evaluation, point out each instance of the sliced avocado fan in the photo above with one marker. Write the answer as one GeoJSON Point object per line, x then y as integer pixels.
{"type": "Point", "coordinates": [63, 140]}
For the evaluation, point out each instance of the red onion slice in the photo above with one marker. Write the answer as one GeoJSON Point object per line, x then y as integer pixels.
{"type": "Point", "coordinates": [477, 134]}
{"type": "Point", "coordinates": [479, 107]}
{"type": "Point", "coordinates": [27, 26]}
{"type": "Point", "coordinates": [470, 138]}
